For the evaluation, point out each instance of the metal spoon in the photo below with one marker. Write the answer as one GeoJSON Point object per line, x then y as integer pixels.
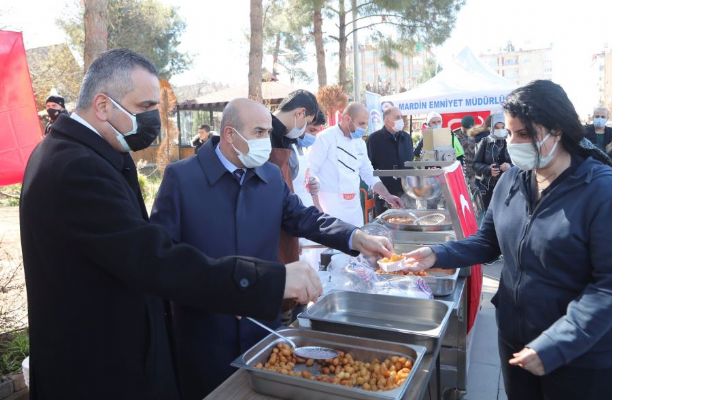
{"type": "Point", "coordinates": [314, 352]}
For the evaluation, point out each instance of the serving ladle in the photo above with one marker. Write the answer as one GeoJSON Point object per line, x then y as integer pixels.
{"type": "Point", "coordinates": [314, 352]}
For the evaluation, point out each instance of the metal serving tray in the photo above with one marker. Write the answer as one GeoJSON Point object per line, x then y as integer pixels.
{"type": "Point", "coordinates": [398, 319]}
{"type": "Point", "coordinates": [443, 226]}
{"type": "Point", "coordinates": [442, 282]}
{"type": "Point", "coordinates": [291, 387]}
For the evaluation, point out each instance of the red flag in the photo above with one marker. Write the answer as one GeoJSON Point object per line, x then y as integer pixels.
{"type": "Point", "coordinates": [464, 209]}
{"type": "Point", "coordinates": [20, 129]}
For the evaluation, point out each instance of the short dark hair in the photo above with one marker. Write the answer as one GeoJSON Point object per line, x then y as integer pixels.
{"type": "Point", "coordinates": [319, 119]}
{"type": "Point", "coordinates": [300, 98]}
{"type": "Point", "coordinates": [546, 103]}
{"type": "Point", "coordinates": [205, 127]}
{"type": "Point", "coordinates": [111, 73]}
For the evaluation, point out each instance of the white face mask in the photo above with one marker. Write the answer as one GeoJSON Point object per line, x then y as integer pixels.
{"type": "Point", "coordinates": [434, 126]}
{"type": "Point", "coordinates": [525, 157]}
{"type": "Point", "coordinates": [258, 153]}
{"type": "Point", "coordinates": [500, 133]}
{"type": "Point", "coordinates": [398, 125]}
{"type": "Point", "coordinates": [297, 132]}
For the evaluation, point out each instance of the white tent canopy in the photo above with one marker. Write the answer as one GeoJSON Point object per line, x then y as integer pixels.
{"type": "Point", "coordinates": [464, 85]}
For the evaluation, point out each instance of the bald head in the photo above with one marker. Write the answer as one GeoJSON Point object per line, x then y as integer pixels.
{"type": "Point", "coordinates": [392, 115]}
{"type": "Point", "coordinates": [354, 110]}
{"type": "Point", "coordinates": [601, 112]}
{"type": "Point", "coordinates": [239, 111]}
{"type": "Point", "coordinates": [355, 116]}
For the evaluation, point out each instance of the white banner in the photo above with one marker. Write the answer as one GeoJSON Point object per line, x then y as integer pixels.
{"type": "Point", "coordinates": [448, 104]}
{"type": "Point", "coordinates": [372, 102]}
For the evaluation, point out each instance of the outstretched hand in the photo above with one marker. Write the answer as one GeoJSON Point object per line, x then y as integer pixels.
{"type": "Point", "coordinates": [370, 245]}
{"type": "Point", "coordinates": [420, 259]}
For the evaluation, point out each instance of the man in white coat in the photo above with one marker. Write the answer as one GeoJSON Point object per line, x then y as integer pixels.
{"type": "Point", "coordinates": [339, 159]}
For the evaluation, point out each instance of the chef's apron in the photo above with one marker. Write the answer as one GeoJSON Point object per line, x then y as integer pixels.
{"type": "Point", "coordinates": [345, 204]}
{"type": "Point", "coordinates": [288, 245]}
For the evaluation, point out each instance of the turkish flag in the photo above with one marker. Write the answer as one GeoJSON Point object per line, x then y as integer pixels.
{"type": "Point", "coordinates": [20, 129]}
{"type": "Point", "coordinates": [464, 208]}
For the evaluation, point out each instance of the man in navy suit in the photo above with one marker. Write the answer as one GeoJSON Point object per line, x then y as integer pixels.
{"type": "Point", "coordinates": [230, 200]}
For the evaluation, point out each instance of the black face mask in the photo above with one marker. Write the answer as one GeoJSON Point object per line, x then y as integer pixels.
{"type": "Point", "coordinates": [147, 129]}
{"type": "Point", "coordinates": [54, 113]}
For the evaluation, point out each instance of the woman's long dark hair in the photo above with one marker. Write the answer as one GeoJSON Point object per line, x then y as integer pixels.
{"type": "Point", "coordinates": [546, 103]}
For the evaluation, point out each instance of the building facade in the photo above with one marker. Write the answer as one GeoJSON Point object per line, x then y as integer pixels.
{"type": "Point", "coordinates": [601, 66]}
{"type": "Point", "coordinates": [375, 76]}
{"type": "Point", "coordinates": [520, 66]}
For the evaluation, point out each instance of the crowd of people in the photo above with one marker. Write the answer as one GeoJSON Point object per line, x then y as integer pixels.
{"type": "Point", "coordinates": [157, 298]}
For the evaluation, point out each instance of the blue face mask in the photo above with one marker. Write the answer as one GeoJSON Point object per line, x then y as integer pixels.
{"type": "Point", "coordinates": [358, 133]}
{"type": "Point", "coordinates": [599, 122]}
{"type": "Point", "coordinates": [307, 140]}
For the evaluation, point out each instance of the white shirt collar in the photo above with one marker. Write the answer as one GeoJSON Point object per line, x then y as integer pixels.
{"type": "Point", "coordinates": [76, 117]}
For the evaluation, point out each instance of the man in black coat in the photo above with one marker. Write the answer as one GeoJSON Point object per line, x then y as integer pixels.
{"type": "Point", "coordinates": [598, 133]}
{"type": "Point", "coordinates": [97, 271]}
{"type": "Point", "coordinates": [390, 148]}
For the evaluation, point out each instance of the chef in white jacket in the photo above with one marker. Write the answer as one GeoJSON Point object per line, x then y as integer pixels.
{"type": "Point", "coordinates": [338, 159]}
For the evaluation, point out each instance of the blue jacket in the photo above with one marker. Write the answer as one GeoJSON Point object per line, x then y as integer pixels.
{"type": "Point", "coordinates": [202, 204]}
{"type": "Point", "coordinates": [555, 287]}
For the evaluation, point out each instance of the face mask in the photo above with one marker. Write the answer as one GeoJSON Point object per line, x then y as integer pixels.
{"type": "Point", "coordinates": [258, 153]}
{"type": "Point", "coordinates": [432, 126]}
{"type": "Point", "coordinates": [297, 132]}
{"type": "Point", "coordinates": [500, 134]}
{"type": "Point", "coordinates": [524, 156]}
{"type": "Point", "coordinates": [54, 113]}
{"type": "Point", "coordinates": [398, 125]}
{"type": "Point", "coordinates": [357, 133]}
{"type": "Point", "coordinates": [307, 140]}
{"type": "Point", "coordinates": [146, 127]}
{"type": "Point", "coordinates": [599, 122]}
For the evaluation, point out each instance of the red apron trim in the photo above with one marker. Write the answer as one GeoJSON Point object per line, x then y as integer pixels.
{"type": "Point", "coordinates": [348, 196]}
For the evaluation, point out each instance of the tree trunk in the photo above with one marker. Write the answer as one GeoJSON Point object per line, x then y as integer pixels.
{"type": "Point", "coordinates": [342, 44]}
{"type": "Point", "coordinates": [256, 50]}
{"type": "Point", "coordinates": [277, 47]}
{"type": "Point", "coordinates": [95, 30]}
{"type": "Point", "coordinates": [320, 51]}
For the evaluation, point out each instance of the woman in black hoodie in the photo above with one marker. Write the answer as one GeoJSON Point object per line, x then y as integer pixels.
{"type": "Point", "coordinates": [550, 216]}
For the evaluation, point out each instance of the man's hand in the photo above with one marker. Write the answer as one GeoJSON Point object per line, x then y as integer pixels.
{"type": "Point", "coordinates": [302, 283]}
{"type": "Point", "coordinates": [528, 359]}
{"type": "Point", "coordinates": [494, 170]}
{"type": "Point", "coordinates": [313, 186]}
{"type": "Point", "coordinates": [420, 259]}
{"type": "Point", "coordinates": [370, 245]}
{"type": "Point", "coordinates": [504, 167]}
{"type": "Point", "coordinates": [394, 201]}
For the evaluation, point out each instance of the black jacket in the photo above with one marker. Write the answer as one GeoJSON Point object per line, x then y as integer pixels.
{"type": "Point", "coordinates": [97, 273]}
{"type": "Point", "coordinates": [592, 136]}
{"type": "Point", "coordinates": [489, 151]}
{"type": "Point", "coordinates": [388, 151]}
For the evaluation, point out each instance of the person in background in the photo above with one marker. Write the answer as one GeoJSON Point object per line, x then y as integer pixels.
{"type": "Point", "coordinates": [390, 148]}
{"type": "Point", "coordinates": [249, 203]}
{"type": "Point", "coordinates": [98, 273]}
{"type": "Point", "coordinates": [598, 133]}
{"type": "Point", "coordinates": [338, 159]}
{"type": "Point", "coordinates": [491, 159]}
{"type": "Point", "coordinates": [550, 216]}
{"type": "Point", "coordinates": [475, 135]}
{"type": "Point", "coordinates": [289, 123]}
{"type": "Point", "coordinates": [54, 107]}
{"type": "Point", "coordinates": [304, 185]}
{"type": "Point", "coordinates": [433, 121]}
{"type": "Point", "coordinates": [203, 135]}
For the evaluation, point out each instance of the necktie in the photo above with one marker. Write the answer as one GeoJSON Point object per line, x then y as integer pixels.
{"type": "Point", "coordinates": [238, 174]}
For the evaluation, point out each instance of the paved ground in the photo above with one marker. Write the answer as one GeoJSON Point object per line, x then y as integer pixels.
{"type": "Point", "coordinates": [484, 377]}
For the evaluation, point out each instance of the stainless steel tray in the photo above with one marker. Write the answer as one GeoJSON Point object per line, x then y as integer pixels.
{"type": "Point", "coordinates": [290, 387]}
{"type": "Point", "coordinates": [444, 226]}
{"type": "Point", "coordinates": [442, 282]}
{"type": "Point", "coordinates": [398, 319]}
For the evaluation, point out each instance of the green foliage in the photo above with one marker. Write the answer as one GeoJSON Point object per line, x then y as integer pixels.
{"type": "Point", "coordinates": [10, 195]}
{"type": "Point", "coordinates": [431, 68]}
{"type": "Point", "coordinates": [285, 36]}
{"type": "Point", "coordinates": [146, 26]}
{"type": "Point", "coordinates": [14, 348]}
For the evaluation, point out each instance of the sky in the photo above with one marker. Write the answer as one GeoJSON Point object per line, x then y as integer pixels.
{"type": "Point", "coordinates": [216, 33]}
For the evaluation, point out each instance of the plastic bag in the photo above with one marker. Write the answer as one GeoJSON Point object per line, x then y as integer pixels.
{"type": "Point", "coordinates": [357, 274]}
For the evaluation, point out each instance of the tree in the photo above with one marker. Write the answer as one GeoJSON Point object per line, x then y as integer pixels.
{"type": "Point", "coordinates": [318, 38]}
{"type": "Point", "coordinates": [423, 21]}
{"type": "Point", "coordinates": [332, 99]}
{"type": "Point", "coordinates": [145, 26]}
{"type": "Point", "coordinates": [168, 103]}
{"type": "Point", "coordinates": [431, 68]}
{"type": "Point", "coordinates": [54, 67]}
{"type": "Point", "coordinates": [95, 29]}
{"type": "Point", "coordinates": [284, 38]}
{"type": "Point", "coordinates": [256, 51]}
